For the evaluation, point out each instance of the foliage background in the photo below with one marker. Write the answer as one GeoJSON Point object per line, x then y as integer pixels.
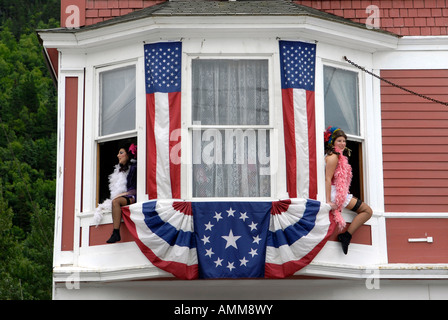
{"type": "Point", "coordinates": [28, 124]}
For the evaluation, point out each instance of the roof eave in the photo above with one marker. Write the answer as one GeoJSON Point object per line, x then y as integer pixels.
{"type": "Point", "coordinates": [221, 26]}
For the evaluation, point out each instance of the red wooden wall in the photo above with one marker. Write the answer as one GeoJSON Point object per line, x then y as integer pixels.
{"type": "Point", "coordinates": [403, 17]}
{"type": "Point", "coordinates": [400, 250]}
{"type": "Point", "coordinates": [70, 142]}
{"type": "Point", "coordinates": [100, 10]}
{"type": "Point", "coordinates": [415, 141]}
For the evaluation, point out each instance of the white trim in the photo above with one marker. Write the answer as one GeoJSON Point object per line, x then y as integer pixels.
{"type": "Point", "coordinates": [386, 271]}
{"type": "Point", "coordinates": [57, 259]}
{"type": "Point", "coordinates": [417, 53]}
{"type": "Point", "coordinates": [417, 215]}
{"type": "Point", "coordinates": [64, 257]}
{"type": "Point", "coordinates": [224, 26]}
{"type": "Point", "coordinates": [79, 164]}
{"type": "Point", "coordinates": [91, 127]}
{"type": "Point", "coordinates": [140, 124]}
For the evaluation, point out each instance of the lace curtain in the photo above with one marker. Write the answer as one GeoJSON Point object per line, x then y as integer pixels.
{"type": "Point", "coordinates": [230, 162]}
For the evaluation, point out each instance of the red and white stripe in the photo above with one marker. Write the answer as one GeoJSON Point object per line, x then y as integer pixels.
{"type": "Point", "coordinates": [163, 141]}
{"type": "Point", "coordinates": [300, 142]}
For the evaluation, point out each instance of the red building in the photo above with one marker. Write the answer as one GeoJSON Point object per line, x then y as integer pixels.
{"type": "Point", "coordinates": [398, 131]}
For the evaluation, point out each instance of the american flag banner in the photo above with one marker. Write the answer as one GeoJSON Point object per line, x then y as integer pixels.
{"type": "Point", "coordinates": [297, 62]}
{"type": "Point", "coordinates": [298, 230]}
{"type": "Point", "coordinates": [164, 232]}
{"type": "Point", "coordinates": [163, 104]}
{"type": "Point", "coordinates": [230, 239]}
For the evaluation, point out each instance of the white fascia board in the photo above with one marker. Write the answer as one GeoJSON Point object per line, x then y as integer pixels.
{"type": "Point", "coordinates": [57, 40]}
{"type": "Point", "coordinates": [350, 36]}
{"type": "Point", "coordinates": [384, 271]}
{"type": "Point", "coordinates": [428, 43]}
{"type": "Point", "coordinates": [223, 26]}
{"type": "Point", "coordinates": [387, 271]}
{"type": "Point", "coordinates": [72, 274]}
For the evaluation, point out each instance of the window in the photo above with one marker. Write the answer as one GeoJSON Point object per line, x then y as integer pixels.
{"type": "Point", "coordinates": [107, 158]}
{"type": "Point", "coordinates": [342, 109]}
{"type": "Point", "coordinates": [116, 121]}
{"type": "Point", "coordinates": [231, 133]}
{"type": "Point", "coordinates": [341, 99]}
{"type": "Point", "coordinates": [117, 100]}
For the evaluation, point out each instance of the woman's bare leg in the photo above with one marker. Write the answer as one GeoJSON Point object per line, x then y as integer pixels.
{"type": "Point", "coordinates": [117, 203]}
{"type": "Point", "coordinates": [364, 214]}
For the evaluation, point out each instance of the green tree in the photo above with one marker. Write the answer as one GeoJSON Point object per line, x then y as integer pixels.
{"type": "Point", "coordinates": [28, 113]}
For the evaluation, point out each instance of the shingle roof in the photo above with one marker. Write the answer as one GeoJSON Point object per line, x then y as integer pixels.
{"type": "Point", "coordinates": [222, 8]}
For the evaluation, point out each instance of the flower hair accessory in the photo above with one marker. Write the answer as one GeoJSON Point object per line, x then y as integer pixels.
{"type": "Point", "coordinates": [329, 134]}
{"type": "Point", "coordinates": [133, 149]}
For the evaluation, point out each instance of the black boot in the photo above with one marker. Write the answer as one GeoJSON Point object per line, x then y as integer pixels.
{"type": "Point", "coordinates": [345, 239]}
{"type": "Point", "coordinates": [115, 236]}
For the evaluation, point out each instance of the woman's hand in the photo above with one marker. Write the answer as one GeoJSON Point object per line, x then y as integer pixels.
{"type": "Point", "coordinates": [332, 205]}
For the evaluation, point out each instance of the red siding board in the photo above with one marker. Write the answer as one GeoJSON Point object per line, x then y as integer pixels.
{"type": "Point", "coordinates": [427, 200]}
{"type": "Point", "coordinates": [415, 208]}
{"type": "Point", "coordinates": [408, 107]}
{"type": "Point", "coordinates": [362, 236]}
{"type": "Point", "coordinates": [414, 174]}
{"type": "Point", "coordinates": [413, 132]}
{"type": "Point", "coordinates": [415, 166]}
{"type": "Point", "coordinates": [410, 99]}
{"type": "Point", "coordinates": [415, 191]}
{"type": "Point", "coordinates": [99, 235]}
{"type": "Point", "coordinates": [415, 141]}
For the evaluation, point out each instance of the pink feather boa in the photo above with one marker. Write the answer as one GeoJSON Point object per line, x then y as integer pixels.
{"type": "Point", "coordinates": [342, 179]}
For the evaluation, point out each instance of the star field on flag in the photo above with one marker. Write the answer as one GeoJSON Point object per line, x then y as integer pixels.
{"type": "Point", "coordinates": [231, 238]}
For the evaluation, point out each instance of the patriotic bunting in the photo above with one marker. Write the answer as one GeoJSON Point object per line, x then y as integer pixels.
{"type": "Point", "coordinates": [230, 239]}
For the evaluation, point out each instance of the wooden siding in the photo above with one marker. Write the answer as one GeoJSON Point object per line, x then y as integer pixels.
{"type": "Point", "coordinates": [101, 10]}
{"type": "Point", "coordinates": [415, 141]}
{"type": "Point", "coordinates": [403, 17]}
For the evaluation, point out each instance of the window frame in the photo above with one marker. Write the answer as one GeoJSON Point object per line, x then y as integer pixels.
{"type": "Point", "coordinates": [98, 138]}
{"type": "Point", "coordinates": [189, 126]}
{"type": "Point", "coordinates": [118, 135]}
{"type": "Point", "coordinates": [361, 138]}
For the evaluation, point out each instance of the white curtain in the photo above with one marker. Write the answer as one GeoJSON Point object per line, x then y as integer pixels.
{"type": "Point", "coordinates": [341, 99]}
{"type": "Point", "coordinates": [117, 100]}
{"type": "Point", "coordinates": [230, 162]}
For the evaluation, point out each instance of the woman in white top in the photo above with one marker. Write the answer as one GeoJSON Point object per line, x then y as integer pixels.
{"type": "Point", "coordinates": [338, 174]}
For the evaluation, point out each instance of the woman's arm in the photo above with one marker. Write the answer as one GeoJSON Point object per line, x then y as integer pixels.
{"type": "Point", "coordinates": [330, 167]}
